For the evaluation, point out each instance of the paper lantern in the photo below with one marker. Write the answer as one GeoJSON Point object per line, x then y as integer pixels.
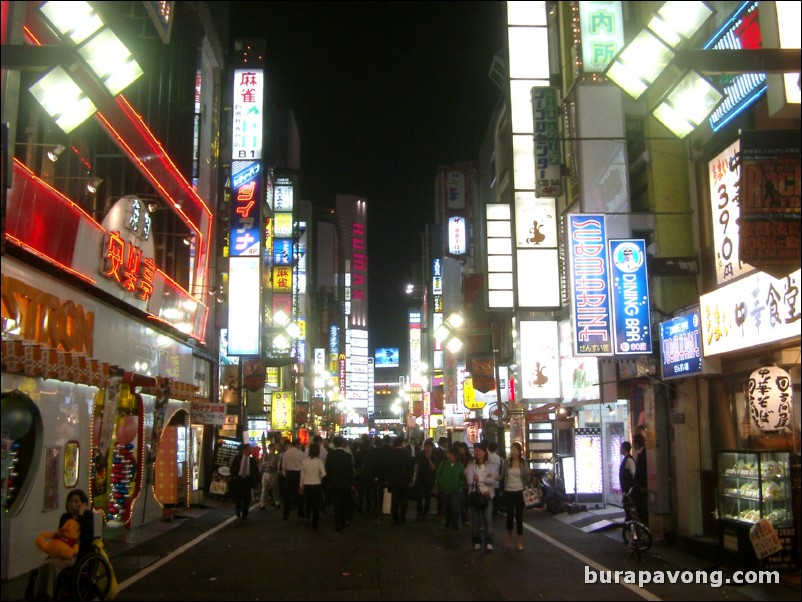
{"type": "Point", "coordinates": [770, 398]}
{"type": "Point", "coordinates": [127, 430]}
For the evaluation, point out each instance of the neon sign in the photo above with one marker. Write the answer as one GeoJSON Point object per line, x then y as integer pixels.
{"type": "Point", "coordinates": [245, 201]}
{"type": "Point", "coordinates": [123, 262]}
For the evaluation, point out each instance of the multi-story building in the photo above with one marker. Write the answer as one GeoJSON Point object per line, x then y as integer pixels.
{"type": "Point", "coordinates": [108, 259]}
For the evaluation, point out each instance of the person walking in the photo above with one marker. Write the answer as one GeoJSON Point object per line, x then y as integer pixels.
{"type": "Point", "coordinates": [313, 471]}
{"type": "Point", "coordinates": [516, 474]}
{"type": "Point", "coordinates": [244, 472]}
{"type": "Point", "coordinates": [481, 475]}
{"type": "Point", "coordinates": [449, 477]}
{"type": "Point", "coordinates": [424, 480]}
{"type": "Point", "coordinates": [399, 478]}
{"type": "Point", "coordinates": [365, 475]}
{"type": "Point", "coordinates": [291, 463]}
{"type": "Point", "coordinates": [340, 479]}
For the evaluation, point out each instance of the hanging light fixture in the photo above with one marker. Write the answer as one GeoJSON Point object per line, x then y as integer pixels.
{"type": "Point", "coordinates": [93, 184]}
{"type": "Point", "coordinates": [54, 153]}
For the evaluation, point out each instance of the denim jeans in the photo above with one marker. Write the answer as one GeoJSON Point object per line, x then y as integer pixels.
{"type": "Point", "coordinates": [482, 518]}
{"type": "Point", "coordinates": [452, 509]}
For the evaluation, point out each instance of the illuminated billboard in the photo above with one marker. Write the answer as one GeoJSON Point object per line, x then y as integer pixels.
{"type": "Point", "coordinates": [386, 357]}
{"type": "Point", "coordinates": [244, 306]}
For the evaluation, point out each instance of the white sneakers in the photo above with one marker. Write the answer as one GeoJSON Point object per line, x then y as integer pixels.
{"type": "Point", "coordinates": [477, 546]}
{"type": "Point", "coordinates": [489, 547]}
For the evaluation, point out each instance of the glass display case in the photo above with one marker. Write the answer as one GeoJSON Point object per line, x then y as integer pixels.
{"type": "Point", "coordinates": [754, 485]}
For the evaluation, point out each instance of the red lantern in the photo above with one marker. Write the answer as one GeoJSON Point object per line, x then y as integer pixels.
{"type": "Point", "coordinates": [303, 435]}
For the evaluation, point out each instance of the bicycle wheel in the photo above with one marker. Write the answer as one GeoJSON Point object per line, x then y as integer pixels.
{"type": "Point", "coordinates": [92, 578]}
{"type": "Point", "coordinates": [644, 536]}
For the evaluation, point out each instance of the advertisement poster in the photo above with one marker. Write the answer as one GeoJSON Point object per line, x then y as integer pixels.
{"type": "Point", "coordinates": [50, 499]}
{"type": "Point", "coordinates": [540, 359]}
{"type": "Point", "coordinates": [629, 293]}
{"type": "Point", "coordinates": [589, 471]}
{"type": "Point", "coordinates": [71, 463]}
{"type": "Point", "coordinates": [224, 454]}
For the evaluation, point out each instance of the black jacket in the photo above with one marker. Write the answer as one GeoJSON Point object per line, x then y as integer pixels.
{"type": "Point", "coordinates": [339, 469]}
{"type": "Point", "coordinates": [253, 469]}
{"type": "Point", "coordinates": [400, 465]}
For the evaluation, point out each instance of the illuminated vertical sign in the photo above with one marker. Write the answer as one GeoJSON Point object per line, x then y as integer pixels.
{"type": "Point", "coordinates": [724, 173]}
{"type": "Point", "coordinates": [540, 359]}
{"type": "Point", "coordinates": [601, 27]}
{"type": "Point", "coordinates": [589, 285]}
{"type": "Point", "coordinates": [281, 414]}
{"type": "Point", "coordinates": [538, 265]}
{"type": "Point", "coordinates": [415, 354]}
{"type": "Point", "coordinates": [548, 154]}
{"type": "Point", "coordinates": [246, 195]}
{"type": "Point", "coordinates": [457, 235]}
{"type": "Point", "coordinates": [244, 306]}
{"type": "Point", "coordinates": [629, 293]}
{"type": "Point", "coordinates": [500, 290]}
{"type": "Point", "coordinates": [247, 112]}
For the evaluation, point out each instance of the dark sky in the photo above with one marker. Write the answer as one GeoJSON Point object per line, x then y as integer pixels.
{"type": "Point", "coordinates": [383, 93]}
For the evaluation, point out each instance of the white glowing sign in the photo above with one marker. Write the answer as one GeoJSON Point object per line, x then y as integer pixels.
{"type": "Point", "coordinates": [244, 306]}
{"type": "Point", "coordinates": [755, 310]}
{"type": "Point", "coordinates": [540, 359]}
{"type": "Point", "coordinates": [247, 114]}
{"type": "Point", "coordinates": [724, 173]}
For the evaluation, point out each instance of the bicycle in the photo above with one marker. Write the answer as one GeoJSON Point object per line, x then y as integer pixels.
{"type": "Point", "coordinates": [636, 535]}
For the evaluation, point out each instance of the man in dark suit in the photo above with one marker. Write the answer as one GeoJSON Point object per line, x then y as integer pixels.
{"type": "Point", "coordinates": [399, 473]}
{"type": "Point", "coordinates": [340, 480]}
{"type": "Point", "coordinates": [244, 471]}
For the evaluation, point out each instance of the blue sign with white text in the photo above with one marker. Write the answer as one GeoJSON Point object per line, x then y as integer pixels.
{"type": "Point", "coordinates": [681, 346]}
{"type": "Point", "coordinates": [629, 292]}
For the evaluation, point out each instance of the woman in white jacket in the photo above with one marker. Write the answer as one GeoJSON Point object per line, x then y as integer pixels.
{"type": "Point", "coordinates": [484, 476]}
{"type": "Point", "coordinates": [312, 473]}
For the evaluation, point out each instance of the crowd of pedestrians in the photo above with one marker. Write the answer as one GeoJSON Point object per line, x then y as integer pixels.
{"type": "Point", "coordinates": [382, 475]}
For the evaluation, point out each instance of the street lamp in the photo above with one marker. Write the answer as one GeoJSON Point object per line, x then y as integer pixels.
{"type": "Point", "coordinates": [446, 333]}
{"type": "Point", "coordinates": [286, 331]}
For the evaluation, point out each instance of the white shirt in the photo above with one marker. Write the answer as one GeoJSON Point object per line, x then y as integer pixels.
{"type": "Point", "coordinates": [292, 460]}
{"type": "Point", "coordinates": [494, 459]}
{"type": "Point", "coordinates": [312, 471]}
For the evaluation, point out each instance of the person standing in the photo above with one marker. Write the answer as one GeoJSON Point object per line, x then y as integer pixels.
{"type": "Point", "coordinates": [494, 459]}
{"type": "Point", "coordinates": [340, 479]}
{"type": "Point", "coordinates": [626, 470]}
{"type": "Point", "coordinates": [399, 477]}
{"type": "Point", "coordinates": [516, 474]}
{"type": "Point", "coordinates": [77, 508]}
{"type": "Point", "coordinates": [244, 472]}
{"type": "Point", "coordinates": [439, 455]}
{"type": "Point", "coordinates": [365, 475]}
{"type": "Point", "coordinates": [291, 463]}
{"type": "Point", "coordinates": [449, 477]}
{"type": "Point", "coordinates": [313, 471]}
{"type": "Point", "coordinates": [641, 480]}
{"type": "Point", "coordinates": [424, 480]}
{"type": "Point", "coordinates": [483, 476]}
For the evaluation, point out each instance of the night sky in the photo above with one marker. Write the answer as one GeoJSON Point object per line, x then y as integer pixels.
{"type": "Point", "coordinates": [383, 93]}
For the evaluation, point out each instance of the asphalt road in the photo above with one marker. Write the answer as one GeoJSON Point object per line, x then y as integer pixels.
{"type": "Point", "coordinates": [208, 554]}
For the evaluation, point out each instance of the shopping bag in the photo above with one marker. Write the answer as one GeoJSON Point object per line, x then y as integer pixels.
{"type": "Point", "coordinates": [531, 496]}
{"type": "Point", "coordinates": [387, 501]}
{"type": "Point", "coordinates": [764, 539]}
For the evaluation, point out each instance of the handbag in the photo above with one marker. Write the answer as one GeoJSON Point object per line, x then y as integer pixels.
{"type": "Point", "coordinates": [477, 499]}
{"type": "Point", "coordinates": [530, 495]}
{"type": "Point", "coordinates": [387, 501]}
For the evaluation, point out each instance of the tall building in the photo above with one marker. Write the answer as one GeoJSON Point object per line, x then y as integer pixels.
{"type": "Point", "coordinates": [113, 178]}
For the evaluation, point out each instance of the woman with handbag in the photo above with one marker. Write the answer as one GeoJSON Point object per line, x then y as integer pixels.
{"type": "Point", "coordinates": [516, 474]}
{"type": "Point", "coordinates": [482, 478]}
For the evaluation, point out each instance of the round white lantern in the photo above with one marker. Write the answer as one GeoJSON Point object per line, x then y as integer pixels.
{"type": "Point", "coordinates": [770, 398]}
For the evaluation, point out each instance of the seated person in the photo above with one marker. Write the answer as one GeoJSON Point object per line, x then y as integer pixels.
{"type": "Point", "coordinates": [78, 509]}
